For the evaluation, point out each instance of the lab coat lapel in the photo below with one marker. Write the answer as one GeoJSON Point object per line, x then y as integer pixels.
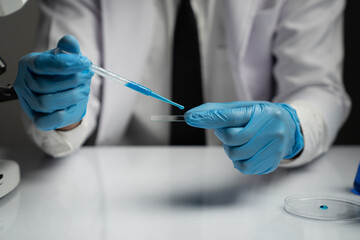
{"type": "Point", "coordinates": [127, 29]}
{"type": "Point", "coordinates": [238, 23]}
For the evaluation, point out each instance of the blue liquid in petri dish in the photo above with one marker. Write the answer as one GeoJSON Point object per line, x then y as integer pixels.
{"type": "Point", "coordinates": [323, 207]}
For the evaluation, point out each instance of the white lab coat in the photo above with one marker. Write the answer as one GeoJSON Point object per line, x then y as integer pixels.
{"type": "Point", "coordinates": [299, 43]}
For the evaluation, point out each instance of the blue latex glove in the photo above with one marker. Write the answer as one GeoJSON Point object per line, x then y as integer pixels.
{"type": "Point", "coordinates": [256, 135]}
{"type": "Point", "coordinates": [53, 89]}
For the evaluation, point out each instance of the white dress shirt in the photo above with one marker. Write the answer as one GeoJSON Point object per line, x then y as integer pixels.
{"type": "Point", "coordinates": [229, 74]}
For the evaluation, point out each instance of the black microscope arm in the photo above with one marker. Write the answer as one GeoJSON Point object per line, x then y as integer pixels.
{"type": "Point", "coordinates": [7, 93]}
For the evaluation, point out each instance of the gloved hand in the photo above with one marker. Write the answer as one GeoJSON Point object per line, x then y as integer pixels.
{"type": "Point", "coordinates": [256, 135]}
{"type": "Point", "coordinates": [53, 88]}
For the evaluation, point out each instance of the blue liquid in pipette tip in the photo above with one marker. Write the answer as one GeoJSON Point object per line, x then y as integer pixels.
{"type": "Point", "coordinates": [155, 95]}
{"type": "Point", "coordinates": [144, 90]}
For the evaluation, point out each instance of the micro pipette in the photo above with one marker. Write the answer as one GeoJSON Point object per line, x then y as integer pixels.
{"type": "Point", "coordinates": [130, 84]}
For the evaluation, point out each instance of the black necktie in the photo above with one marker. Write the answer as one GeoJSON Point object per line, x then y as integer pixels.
{"type": "Point", "coordinates": [186, 75]}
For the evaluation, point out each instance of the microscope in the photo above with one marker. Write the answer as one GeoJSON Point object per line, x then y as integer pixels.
{"type": "Point", "coordinates": [7, 92]}
{"type": "Point", "coordinates": [9, 169]}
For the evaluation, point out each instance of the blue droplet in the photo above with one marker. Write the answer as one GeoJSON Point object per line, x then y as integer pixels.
{"type": "Point", "coordinates": [324, 207]}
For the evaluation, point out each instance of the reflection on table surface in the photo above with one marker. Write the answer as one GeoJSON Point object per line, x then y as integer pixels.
{"type": "Point", "coordinates": [168, 193]}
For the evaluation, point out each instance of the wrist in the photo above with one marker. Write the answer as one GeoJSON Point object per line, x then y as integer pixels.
{"type": "Point", "coordinates": [69, 127]}
{"type": "Point", "coordinates": [298, 136]}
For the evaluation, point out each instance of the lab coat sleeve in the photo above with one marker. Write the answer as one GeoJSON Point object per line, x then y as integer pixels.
{"type": "Point", "coordinates": [308, 49]}
{"type": "Point", "coordinates": [80, 18]}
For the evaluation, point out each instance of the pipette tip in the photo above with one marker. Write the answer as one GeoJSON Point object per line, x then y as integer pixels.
{"type": "Point", "coordinates": [155, 95]}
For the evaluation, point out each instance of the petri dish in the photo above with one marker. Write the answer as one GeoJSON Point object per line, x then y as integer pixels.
{"type": "Point", "coordinates": [323, 207]}
{"type": "Point", "coordinates": [167, 118]}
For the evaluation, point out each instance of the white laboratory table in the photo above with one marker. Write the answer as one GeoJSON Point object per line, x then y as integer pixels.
{"type": "Point", "coordinates": [168, 193]}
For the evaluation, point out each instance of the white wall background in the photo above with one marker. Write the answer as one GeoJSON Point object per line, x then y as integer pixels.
{"type": "Point", "coordinates": [17, 34]}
